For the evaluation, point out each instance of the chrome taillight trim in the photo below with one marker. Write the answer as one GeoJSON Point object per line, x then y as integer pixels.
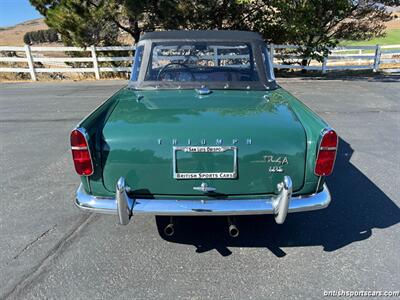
{"type": "Point", "coordinates": [86, 136]}
{"type": "Point", "coordinates": [319, 148]}
{"type": "Point", "coordinates": [328, 148]}
{"type": "Point", "coordinates": [79, 148]}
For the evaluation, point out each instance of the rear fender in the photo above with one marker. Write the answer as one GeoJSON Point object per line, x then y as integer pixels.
{"type": "Point", "coordinates": [93, 124]}
{"type": "Point", "coordinates": [313, 126]}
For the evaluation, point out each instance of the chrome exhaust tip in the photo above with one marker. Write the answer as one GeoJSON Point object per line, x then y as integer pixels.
{"type": "Point", "coordinates": [233, 231]}
{"type": "Point", "coordinates": [169, 230]}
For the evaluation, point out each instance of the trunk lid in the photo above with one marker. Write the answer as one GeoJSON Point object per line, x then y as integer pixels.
{"type": "Point", "coordinates": [141, 132]}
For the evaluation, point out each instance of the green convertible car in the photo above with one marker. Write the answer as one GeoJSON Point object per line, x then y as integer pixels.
{"type": "Point", "coordinates": [202, 129]}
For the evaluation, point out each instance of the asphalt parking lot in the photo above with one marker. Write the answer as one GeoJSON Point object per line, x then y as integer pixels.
{"type": "Point", "coordinates": [50, 249]}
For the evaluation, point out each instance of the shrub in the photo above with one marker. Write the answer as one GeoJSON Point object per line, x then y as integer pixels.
{"type": "Point", "coordinates": [41, 36]}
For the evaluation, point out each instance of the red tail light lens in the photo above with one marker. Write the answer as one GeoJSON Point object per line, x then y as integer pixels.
{"type": "Point", "coordinates": [326, 153]}
{"type": "Point", "coordinates": [81, 153]}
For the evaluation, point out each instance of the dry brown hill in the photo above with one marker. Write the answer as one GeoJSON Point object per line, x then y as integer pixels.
{"type": "Point", "coordinates": [395, 23]}
{"type": "Point", "coordinates": [14, 35]}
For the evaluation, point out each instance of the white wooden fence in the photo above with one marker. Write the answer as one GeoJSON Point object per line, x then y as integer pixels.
{"type": "Point", "coordinates": [341, 58]}
{"type": "Point", "coordinates": [284, 57]}
{"type": "Point", "coordinates": [26, 55]}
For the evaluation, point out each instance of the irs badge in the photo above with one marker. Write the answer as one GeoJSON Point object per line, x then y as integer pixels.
{"type": "Point", "coordinates": [276, 163]}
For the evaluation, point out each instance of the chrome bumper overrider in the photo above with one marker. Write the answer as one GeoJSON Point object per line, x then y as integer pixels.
{"type": "Point", "coordinates": [279, 205]}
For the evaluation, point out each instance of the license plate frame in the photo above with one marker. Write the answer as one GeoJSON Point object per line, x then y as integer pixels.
{"type": "Point", "coordinates": [204, 175]}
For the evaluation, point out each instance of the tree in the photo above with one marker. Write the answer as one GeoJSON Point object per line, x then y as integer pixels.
{"type": "Point", "coordinates": [316, 25]}
{"type": "Point", "coordinates": [78, 22]}
{"type": "Point", "coordinates": [87, 22]}
{"type": "Point", "coordinates": [27, 38]}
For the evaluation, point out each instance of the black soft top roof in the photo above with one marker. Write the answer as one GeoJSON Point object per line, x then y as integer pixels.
{"type": "Point", "coordinates": [230, 35]}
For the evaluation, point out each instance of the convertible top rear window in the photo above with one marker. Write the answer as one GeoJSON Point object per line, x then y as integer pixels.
{"type": "Point", "coordinates": [194, 59]}
{"type": "Point", "coordinates": [201, 61]}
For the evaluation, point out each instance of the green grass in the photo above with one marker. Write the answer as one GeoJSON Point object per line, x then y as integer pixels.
{"type": "Point", "coordinates": [392, 38]}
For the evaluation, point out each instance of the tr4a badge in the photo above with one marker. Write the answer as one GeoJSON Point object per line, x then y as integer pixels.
{"type": "Point", "coordinates": [276, 163]}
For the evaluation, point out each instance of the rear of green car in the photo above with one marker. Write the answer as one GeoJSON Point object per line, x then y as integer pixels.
{"type": "Point", "coordinates": [183, 147]}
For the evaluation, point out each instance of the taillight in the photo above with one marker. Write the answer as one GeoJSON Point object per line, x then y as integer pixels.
{"type": "Point", "coordinates": [81, 153]}
{"type": "Point", "coordinates": [326, 153]}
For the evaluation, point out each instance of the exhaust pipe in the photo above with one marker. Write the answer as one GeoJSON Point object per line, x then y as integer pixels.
{"type": "Point", "coordinates": [169, 230]}
{"type": "Point", "coordinates": [232, 229]}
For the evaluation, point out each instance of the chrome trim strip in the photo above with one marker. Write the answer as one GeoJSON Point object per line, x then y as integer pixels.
{"type": "Point", "coordinates": [319, 183]}
{"type": "Point", "coordinates": [79, 148]}
{"type": "Point", "coordinates": [88, 184]}
{"type": "Point", "coordinates": [328, 148]}
{"type": "Point", "coordinates": [175, 207]}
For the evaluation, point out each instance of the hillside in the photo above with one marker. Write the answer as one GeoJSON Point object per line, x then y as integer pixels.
{"type": "Point", "coordinates": [395, 23]}
{"type": "Point", "coordinates": [13, 36]}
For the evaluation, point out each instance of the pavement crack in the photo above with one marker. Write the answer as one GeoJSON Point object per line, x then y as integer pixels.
{"type": "Point", "coordinates": [44, 265]}
{"type": "Point", "coordinates": [40, 237]}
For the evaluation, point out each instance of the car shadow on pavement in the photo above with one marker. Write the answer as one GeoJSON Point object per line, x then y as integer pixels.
{"type": "Point", "coordinates": [358, 206]}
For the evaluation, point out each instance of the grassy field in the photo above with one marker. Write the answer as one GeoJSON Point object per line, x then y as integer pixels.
{"type": "Point", "coordinates": [392, 38]}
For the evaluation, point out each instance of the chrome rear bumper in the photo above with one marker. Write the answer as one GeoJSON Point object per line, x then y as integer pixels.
{"type": "Point", "coordinates": [279, 205]}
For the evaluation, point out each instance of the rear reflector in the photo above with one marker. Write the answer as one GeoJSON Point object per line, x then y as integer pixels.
{"type": "Point", "coordinates": [80, 153]}
{"type": "Point", "coordinates": [326, 153]}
